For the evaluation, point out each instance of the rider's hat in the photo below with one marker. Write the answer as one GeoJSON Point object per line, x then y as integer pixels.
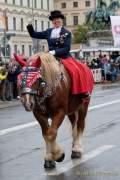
{"type": "Point", "coordinates": [56, 14]}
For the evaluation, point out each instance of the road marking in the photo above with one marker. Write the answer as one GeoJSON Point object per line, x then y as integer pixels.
{"type": "Point", "coordinates": [102, 91]}
{"type": "Point", "coordinates": [17, 128]}
{"type": "Point", "coordinates": [31, 124]}
{"type": "Point", "coordinates": [103, 105]}
{"type": "Point", "coordinates": [71, 164]}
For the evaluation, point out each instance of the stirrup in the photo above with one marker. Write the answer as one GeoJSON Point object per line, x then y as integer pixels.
{"type": "Point", "coordinates": [85, 95]}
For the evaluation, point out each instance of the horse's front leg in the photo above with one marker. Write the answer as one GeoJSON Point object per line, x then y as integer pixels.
{"type": "Point", "coordinates": [56, 152]}
{"type": "Point", "coordinates": [43, 121]}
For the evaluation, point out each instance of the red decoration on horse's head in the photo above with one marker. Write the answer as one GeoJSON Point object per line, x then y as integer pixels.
{"type": "Point", "coordinates": [20, 60]}
{"type": "Point", "coordinates": [35, 62]}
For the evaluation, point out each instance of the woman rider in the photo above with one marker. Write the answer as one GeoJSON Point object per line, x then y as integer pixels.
{"type": "Point", "coordinates": [59, 42]}
{"type": "Point", "coordinates": [58, 38]}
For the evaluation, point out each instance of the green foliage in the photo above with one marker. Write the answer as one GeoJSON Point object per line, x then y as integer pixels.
{"type": "Point", "coordinates": [80, 35]}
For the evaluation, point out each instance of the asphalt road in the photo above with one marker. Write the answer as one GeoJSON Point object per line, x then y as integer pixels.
{"type": "Point", "coordinates": [22, 146]}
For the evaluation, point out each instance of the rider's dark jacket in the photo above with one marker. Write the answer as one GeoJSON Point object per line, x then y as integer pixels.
{"type": "Point", "coordinates": [61, 45]}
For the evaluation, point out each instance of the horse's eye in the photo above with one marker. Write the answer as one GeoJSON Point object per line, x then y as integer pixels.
{"type": "Point", "coordinates": [42, 82]}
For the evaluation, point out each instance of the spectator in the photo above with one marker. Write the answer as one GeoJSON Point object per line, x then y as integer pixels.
{"type": "Point", "coordinates": [106, 72]}
{"type": "Point", "coordinates": [13, 71]}
{"type": "Point", "coordinates": [3, 75]}
{"type": "Point", "coordinates": [113, 72]}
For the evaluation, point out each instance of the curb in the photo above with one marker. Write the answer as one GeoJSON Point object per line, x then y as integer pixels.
{"type": "Point", "coordinates": [8, 104]}
{"type": "Point", "coordinates": [107, 85]}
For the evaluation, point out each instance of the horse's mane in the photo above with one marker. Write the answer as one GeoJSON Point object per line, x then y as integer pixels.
{"type": "Point", "coordinates": [51, 69]}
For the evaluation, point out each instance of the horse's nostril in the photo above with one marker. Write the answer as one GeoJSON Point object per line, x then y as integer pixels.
{"type": "Point", "coordinates": [31, 105]}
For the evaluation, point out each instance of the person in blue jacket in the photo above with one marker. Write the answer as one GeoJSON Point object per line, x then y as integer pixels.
{"type": "Point", "coordinates": [58, 38]}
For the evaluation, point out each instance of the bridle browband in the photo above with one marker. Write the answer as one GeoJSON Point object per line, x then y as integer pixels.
{"type": "Point", "coordinates": [25, 88]}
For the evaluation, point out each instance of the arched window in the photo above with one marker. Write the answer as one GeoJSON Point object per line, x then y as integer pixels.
{"type": "Point", "coordinates": [14, 23]}
{"type": "Point", "coordinates": [21, 2]}
{"type": "Point", "coordinates": [48, 6]}
{"type": "Point", "coordinates": [41, 4]}
{"type": "Point", "coordinates": [22, 25]}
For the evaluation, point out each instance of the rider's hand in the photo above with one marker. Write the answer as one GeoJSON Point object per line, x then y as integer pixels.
{"type": "Point", "coordinates": [52, 52]}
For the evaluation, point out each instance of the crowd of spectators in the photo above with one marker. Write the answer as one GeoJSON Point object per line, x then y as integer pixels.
{"type": "Point", "coordinates": [110, 68]}
{"type": "Point", "coordinates": [8, 80]}
{"type": "Point", "coordinates": [9, 71]}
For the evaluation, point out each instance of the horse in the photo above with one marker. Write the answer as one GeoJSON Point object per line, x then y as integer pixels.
{"type": "Point", "coordinates": [52, 98]}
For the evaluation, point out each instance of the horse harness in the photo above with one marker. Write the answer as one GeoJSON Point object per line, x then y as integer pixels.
{"type": "Point", "coordinates": [47, 90]}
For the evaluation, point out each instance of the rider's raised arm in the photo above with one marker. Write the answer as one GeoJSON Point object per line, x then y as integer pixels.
{"type": "Point", "coordinates": [34, 34]}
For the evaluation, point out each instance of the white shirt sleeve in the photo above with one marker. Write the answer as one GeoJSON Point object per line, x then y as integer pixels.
{"type": "Point", "coordinates": [52, 52]}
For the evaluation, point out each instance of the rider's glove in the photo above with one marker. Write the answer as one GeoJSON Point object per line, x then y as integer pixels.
{"type": "Point", "coordinates": [52, 52]}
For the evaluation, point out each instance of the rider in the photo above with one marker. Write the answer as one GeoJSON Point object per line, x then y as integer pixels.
{"type": "Point", "coordinates": [59, 42]}
{"type": "Point", "coordinates": [58, 38]}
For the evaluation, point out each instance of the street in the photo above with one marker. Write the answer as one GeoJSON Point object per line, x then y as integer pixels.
{"type": "Point", "coordinates": [22, 146]}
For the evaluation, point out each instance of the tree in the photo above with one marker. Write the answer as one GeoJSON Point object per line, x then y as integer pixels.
{"type": "Point", "coordinates": [100, 18]}
{"type": "Point", "coordinates": [80, 35]}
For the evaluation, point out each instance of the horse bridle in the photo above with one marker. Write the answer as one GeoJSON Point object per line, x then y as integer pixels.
{"type": "Point", "coordinates": [28, 90]}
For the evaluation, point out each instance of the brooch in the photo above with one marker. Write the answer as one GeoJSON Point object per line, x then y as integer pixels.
{"type": "Point", "coordinates": [62, 37]}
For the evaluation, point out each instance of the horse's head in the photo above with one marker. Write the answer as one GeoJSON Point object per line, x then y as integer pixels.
{"type": "Point", "coordinates": [29, 81]}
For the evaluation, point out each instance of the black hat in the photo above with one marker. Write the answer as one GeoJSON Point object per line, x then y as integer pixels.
{"type": "Point", "coordinates": [56, 14]}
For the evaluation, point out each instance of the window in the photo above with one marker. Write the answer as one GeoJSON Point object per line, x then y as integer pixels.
{"type": "Point", "coordinates": [15, 49]}
{"type": "Point", "coordinates": [48, 4]}
{"type": "Point", "coordinates": [23, 49]}
{"type": "Point", "coordinates": [75, 20]}
{"type": "Point", "coordinates": [8, 50]}
{"type": "Point", "coordinates": [28, 2]}
{"type": "Point", "coordinates": [21, 2]}
{"type": "Point", "coordinates": [14, 23]}
{"type": "Point", "coordinates": [35, 25]}
{"type": "Point", "coordinates": [41, 4]}
{"type": "Point", "coordinates": [63, 5]}
{"type": "Point", "coordinates": [87, 3]}
{"type": "Point", "coordinates": [64, 21]}
{"type": "Point", "coordinates": [22, 28]}
{"type": "Point", "coordinates": [75, 4]}
{"type": "Point", "coordinates": [42, 25]}
{"type": "Point", "coordinates": [48, 24]}
{"type": "Point", "coordinates": [13, 1]}
{"type": "Point", "coordinates": [30, 50]}
{"type": "Point", "coordinates": [35, 3]}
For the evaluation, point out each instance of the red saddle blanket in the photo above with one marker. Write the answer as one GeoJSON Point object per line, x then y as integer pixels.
{"type": "Point", "coordinates": [81, 76]}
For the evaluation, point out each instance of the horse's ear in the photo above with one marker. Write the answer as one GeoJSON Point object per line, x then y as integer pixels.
{"type": "Point", "coordinates": [20, 60]}
{"type": "Point", "coordinates": [37, 62]}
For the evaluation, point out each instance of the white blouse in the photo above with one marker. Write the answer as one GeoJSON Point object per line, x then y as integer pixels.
{"type": "Point", "coordinates": [56, 32]}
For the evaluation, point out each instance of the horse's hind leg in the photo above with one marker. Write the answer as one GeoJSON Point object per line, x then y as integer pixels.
{"type": "Point", "coordinates": [78, 123]}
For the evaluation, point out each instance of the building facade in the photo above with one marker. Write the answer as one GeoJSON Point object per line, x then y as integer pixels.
{"type": "Point", "coordinates": [74, 11]}
{"type": "Point", "coordinates": [19, 13]}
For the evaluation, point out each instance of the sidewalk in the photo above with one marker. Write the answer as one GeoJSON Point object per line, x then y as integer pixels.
{"type": "Point", "coordinates": [7, 104]}
{"type": "Point", "coordinates": [107, 85]}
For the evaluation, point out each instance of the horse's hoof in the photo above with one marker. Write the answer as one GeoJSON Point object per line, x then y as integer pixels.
{"type": "Point", "coordinates": [61, 158]}
{"type": "Point", "coordinates": [76, 155]}
{"type": "Point", "coordinates": [49, 164]}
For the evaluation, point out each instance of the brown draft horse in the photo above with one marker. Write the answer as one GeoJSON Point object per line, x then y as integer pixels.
{"type": "Point", "coordinates": [52, 100]}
